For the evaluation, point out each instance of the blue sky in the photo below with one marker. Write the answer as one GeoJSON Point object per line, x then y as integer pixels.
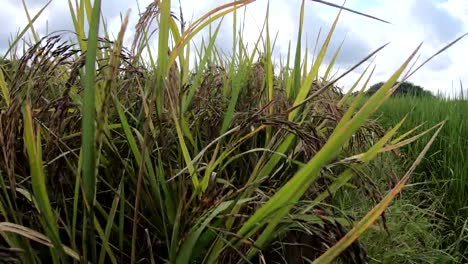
{"type": "Point", "coordinates": [433, 22]}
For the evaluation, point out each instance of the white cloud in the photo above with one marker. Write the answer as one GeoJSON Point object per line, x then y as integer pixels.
{"type": "Point", "coordinates": [433, 22]}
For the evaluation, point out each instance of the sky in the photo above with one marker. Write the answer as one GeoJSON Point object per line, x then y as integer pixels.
{"type": "Point", "coordinates": [433, 22]}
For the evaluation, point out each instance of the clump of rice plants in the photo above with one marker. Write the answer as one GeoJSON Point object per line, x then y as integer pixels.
{"type": "Point", "coordinates": [110, 156]}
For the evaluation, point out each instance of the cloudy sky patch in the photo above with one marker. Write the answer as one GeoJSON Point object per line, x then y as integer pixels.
{"type": "Point", "coordinates": [433, 22]}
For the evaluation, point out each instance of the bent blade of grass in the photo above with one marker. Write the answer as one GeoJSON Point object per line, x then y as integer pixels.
{"type": "Point", "coordinates": [36, 236]}
{"type": "Point", "coordinates": [188, 160]}
{"type": "Point", "coordinates": [26, 194]}
{"type": "Point", "coordinates": [395, 144]}
{"type": "Point", "coordinates": [375, 149]}
{"type": "Point", "coordinates": [33, 148]}
{"type": "Point", "coordinates": [177, 37]}
{"type": "Point", "coordinates": [375, 213]}
{"type": "Point", "coordinates": [392, 146]}
{"type": "Point", "coordinates": [185, 152]}
{"type": "Point", "coordinates": [203, 22]}
{"type": "Point", "coordinates": [399, 144]}
{"type": "Point", "coordinates": [185, 126]}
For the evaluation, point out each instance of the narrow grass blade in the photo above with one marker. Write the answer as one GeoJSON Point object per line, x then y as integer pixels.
{"type": "Point", "coordinates": [350, 10]}
{"type": "Point", "coordinates": [163, 48]}
{"type": "Point", "coordinates": [307, 84]}
{"type": "Point", "coordinates": [332, 62]}
{"type": "Point", "coordinates": [25, 30]}
{"type": "Point", "coordinates": [30, 22]}
{"type": "Point", "coordinates": [89, 118]}
{"type": "Point", "coordinates": [109, 224]}
{"type": "Point", "coordinates": [76, 200]}
{"type": "Point", "coordinates": [437, 53]}
{"type": "Point", "coordinates": [78, 17]}
{"type": "Point", "coordinates": [269, 63]}
{"type": "Point", "coordinates": [33, 148]}
{"type": "Point", "coordinates": [296, 75]}
{"type": "Point", "coordinates": [4, 89]}
{"type": "Point", "coordinates": [405, 135]}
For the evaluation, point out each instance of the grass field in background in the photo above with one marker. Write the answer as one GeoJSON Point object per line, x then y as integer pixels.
{"type": "Point", "coordinates": [444, 170]}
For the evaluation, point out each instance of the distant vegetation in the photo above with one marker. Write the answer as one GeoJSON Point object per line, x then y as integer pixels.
{"type": "Point", "coordinates": [443, 173]}
{"type": "Point", "coordinates": [405, 88]}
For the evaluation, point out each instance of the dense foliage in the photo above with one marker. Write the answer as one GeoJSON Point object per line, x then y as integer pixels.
{"type": "Point", "coordinates": [404, 89]}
